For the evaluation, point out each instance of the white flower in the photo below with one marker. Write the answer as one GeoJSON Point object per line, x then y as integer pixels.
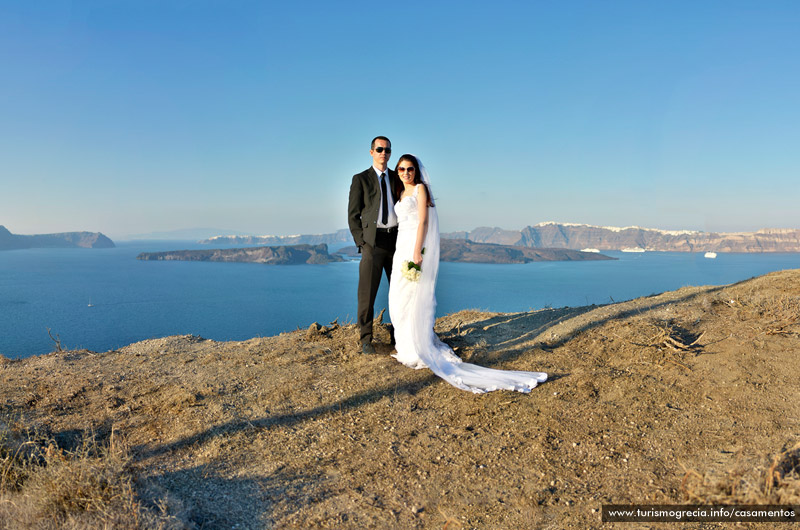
{"type": "Point", "coordinates": [411, 271]}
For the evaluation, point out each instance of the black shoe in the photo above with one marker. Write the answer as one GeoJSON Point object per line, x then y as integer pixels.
{"type": "Point", "coordinates": [367, 348]}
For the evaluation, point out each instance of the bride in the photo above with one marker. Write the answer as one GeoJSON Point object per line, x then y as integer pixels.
{"type": "Point", "coordinates": [412, 302]}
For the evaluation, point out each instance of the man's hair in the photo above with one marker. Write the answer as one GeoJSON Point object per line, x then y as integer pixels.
{"type": "Point", "coordinates": [372, 145]}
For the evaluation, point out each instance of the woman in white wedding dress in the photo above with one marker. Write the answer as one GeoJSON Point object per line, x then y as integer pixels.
{"type": "Point", "coordinates": [412, 303]}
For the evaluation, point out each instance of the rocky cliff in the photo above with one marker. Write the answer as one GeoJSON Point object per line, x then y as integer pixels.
{"type": "Point", "coordinates": [284, 255]}
{"type": "Point", "coordinates": [575, 236]}
{"type": "Point", "coordinates": [9, 241]}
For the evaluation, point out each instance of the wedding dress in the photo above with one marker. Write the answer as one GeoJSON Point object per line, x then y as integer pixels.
{"type": "Point", "coordinates": [412, 308]}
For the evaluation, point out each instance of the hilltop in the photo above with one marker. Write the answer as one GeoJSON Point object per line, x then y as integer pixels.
{"type": "Point", "coordinates": [683, 397]}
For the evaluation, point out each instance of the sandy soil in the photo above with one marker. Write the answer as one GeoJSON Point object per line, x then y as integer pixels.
{"type": "Point", "coordinates": [688, 396]}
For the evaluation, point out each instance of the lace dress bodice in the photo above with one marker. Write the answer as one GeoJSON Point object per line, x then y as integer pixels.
{"type": "Point", "coordinates": [407, 212]}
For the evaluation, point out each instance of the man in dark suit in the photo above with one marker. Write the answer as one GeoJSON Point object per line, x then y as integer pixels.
{"type": "Point", "coordinates": [373, 223]}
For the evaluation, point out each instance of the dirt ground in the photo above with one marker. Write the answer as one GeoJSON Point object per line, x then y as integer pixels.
{"type": "Point", "coordinates": [690, 396]}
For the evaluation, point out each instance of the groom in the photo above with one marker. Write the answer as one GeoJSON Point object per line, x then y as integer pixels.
{"type": "Point", "coordinates": [373, 223]}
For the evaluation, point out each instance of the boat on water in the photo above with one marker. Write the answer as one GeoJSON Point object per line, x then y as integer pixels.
{"type": "Point", "coordinates": [590, 250]}
{"type": "Point", "coordinates": [710, 255]}
{"type": "Point", "coordinates": [633, 249]}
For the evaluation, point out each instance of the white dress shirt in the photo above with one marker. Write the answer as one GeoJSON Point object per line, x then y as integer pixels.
{"type": "Point", "coordinates": [392, 222]}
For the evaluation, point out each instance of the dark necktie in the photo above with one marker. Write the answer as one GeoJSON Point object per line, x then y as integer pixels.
{"type": "Point", "coordinates": [385, 214]}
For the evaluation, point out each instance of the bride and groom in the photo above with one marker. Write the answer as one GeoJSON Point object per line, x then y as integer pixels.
{"type": "Point", "coordinates": [393, 219]}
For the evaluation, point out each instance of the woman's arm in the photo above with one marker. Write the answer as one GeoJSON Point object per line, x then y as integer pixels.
{"type": "Point", "coordinates": [422, 230]}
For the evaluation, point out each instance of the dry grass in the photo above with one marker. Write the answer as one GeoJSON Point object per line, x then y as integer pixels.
{"type": "Point", "coordinates": [777, 482]}
{"type": "Point", "coordinates": [44, 486]}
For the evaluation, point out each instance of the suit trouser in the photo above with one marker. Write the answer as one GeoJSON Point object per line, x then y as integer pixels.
{"type": "Point", "coordinates": [374, 261]}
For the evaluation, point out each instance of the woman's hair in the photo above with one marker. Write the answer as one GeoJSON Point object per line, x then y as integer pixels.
{"type": "Point", "coordinates": [399, 187]}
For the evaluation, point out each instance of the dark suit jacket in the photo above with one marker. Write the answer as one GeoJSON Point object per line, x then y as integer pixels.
{"type": "Point", "coordinates": [365, 201]}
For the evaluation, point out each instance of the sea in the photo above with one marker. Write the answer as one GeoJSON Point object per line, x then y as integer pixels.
{"type": "Point", "coordinates": [103, 299]}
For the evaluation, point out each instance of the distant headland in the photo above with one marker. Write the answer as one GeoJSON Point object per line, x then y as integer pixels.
{"type": "Point", "coordinates": [9, 241]}
{"type": "Point", "coordinates": [280, 255]}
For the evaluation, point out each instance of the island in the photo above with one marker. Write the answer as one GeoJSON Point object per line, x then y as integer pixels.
{"type": "Point", "coordinates": [283, 255]}
{"type": "Point", "coordinates": [9, 241]}
{"type": "Point", "coordinates": [465, 251]}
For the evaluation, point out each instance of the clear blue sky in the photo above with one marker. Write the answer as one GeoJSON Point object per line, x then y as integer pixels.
{"type": "Point", "coordinates": [134, 116]}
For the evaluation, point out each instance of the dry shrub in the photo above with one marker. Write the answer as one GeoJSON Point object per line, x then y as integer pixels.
{"type": "Point", "coordinates": [778, 483]}
{"type": "Point", "coordinates": [779, 312]}
{"type": "Point", "coordinates": [45, 487]}
{"type": "Point", "coordinates": [650, 341]}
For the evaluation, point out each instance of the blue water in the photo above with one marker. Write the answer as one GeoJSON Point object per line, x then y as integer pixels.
{"type": "Point", "coordinates": [133, 300]}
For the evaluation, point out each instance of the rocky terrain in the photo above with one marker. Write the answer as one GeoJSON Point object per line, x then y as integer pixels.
{"type": "Point", "coordinates": [284, 255]}
{"type": "Point", "coordinates": [690, 396]}
{"type": "Point", "coordinates": [9, 241]}
{"type": "Point", "coordinates": [576, 236]}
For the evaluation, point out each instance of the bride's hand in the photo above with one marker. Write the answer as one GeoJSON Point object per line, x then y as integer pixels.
{"type": "Point", "coordinates": [418, 258]}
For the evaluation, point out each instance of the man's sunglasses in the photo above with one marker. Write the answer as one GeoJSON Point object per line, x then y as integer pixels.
{"type": "Point", "coordinates": [382, 149]}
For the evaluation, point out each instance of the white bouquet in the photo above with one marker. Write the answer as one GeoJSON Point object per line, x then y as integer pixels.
{"type": "Point", "coordinates": [411, 271]}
